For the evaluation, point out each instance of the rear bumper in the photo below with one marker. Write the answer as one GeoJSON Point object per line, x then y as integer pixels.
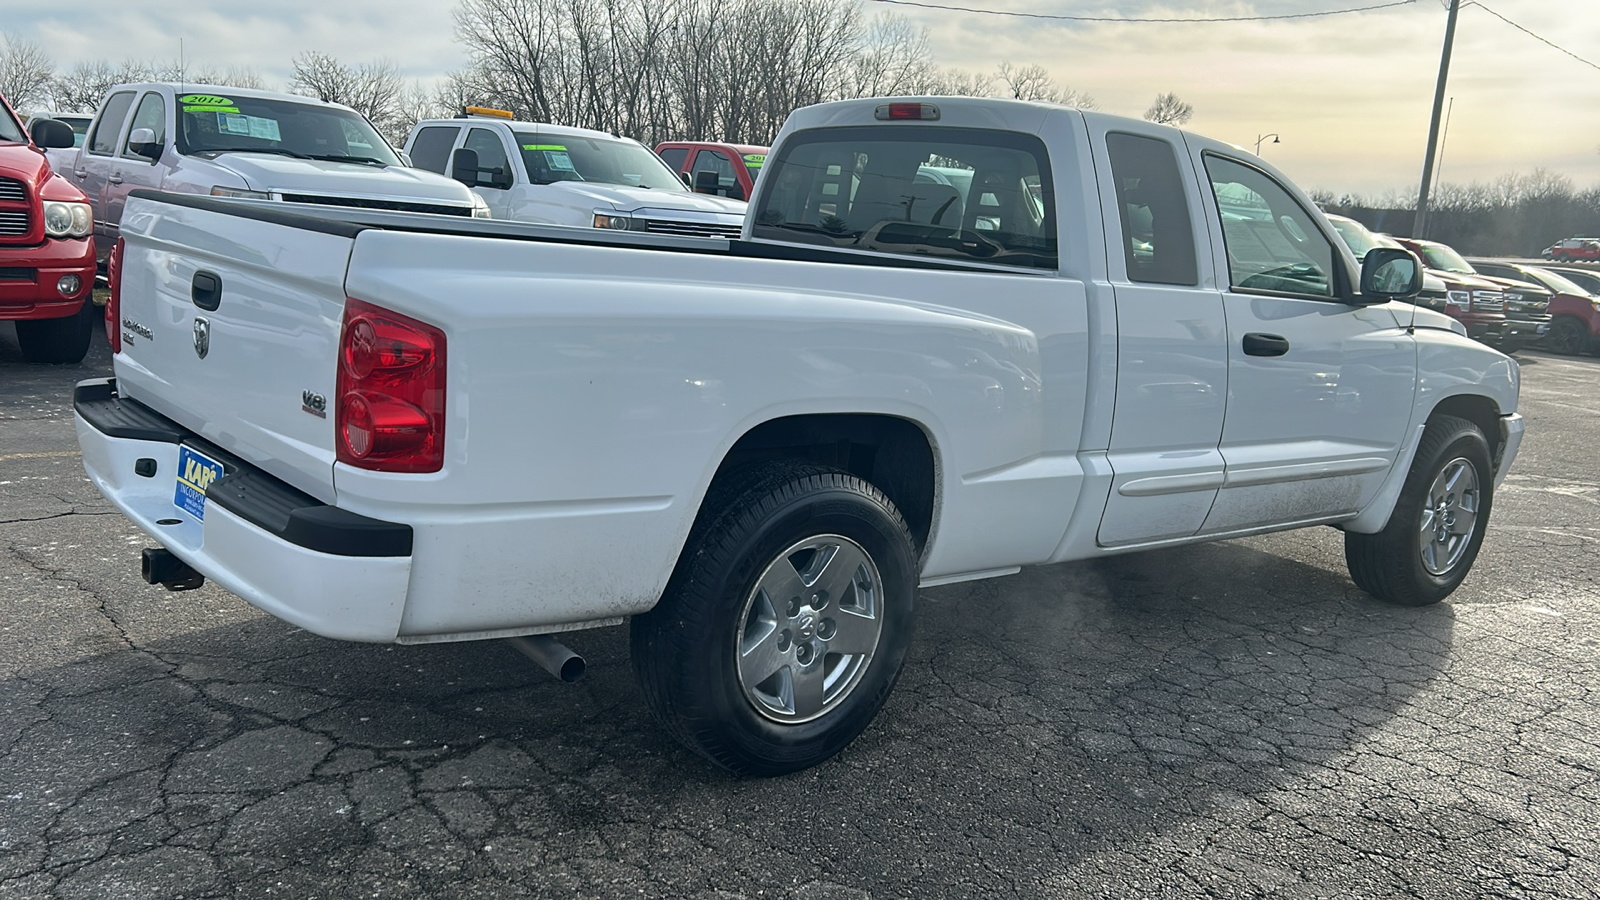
{"type": "Point", "coordinates": [29, 275]}
{"type": "Point", "coordinates": [324, 569]}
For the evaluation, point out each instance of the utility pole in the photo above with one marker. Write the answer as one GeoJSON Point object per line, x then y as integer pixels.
{"type": "Point", "coordinates": [1419, 228]}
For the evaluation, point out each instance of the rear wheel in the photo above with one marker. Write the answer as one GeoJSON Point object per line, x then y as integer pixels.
{"type": "Point", "coordinates": [786, 623]}
{"type": "Point", "coordinates": [63, 340]}
{"type": "Point", "coordinates": [1438, 523]}
{"type": "Point", "coordinates": [1567, 336]}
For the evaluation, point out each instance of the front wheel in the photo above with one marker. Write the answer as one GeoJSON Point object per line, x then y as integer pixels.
{"type": "Point", "coordinates": [1438, 523]}
{"type": "Point", "coordinates": [786, 623]}
{"type": "Point", "coordinates": [56, 341]}
{"type": "Point", "coordinates": [1567, 336]}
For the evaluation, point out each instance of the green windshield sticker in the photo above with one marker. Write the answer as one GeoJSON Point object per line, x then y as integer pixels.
{"type": "Point", "coordinates": [211, 109]}
{"type": "Point", "coordinates": [543, 147]}
{"type": "Point", "coordinates": [755, 160]}
{"type": "Point", "coordinates": [204, 100]}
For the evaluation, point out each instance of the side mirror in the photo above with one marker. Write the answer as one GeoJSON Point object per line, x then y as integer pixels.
{"type": "Point", "coordinates": [686, 182]}
{"type": "Point", "coordinates": [706, 182]}
{"type": "Point", "coordinates": [464, 166]}
{"type": "Point", "coordinates": [1390, 273]}
{"type": "Point", "coordinates": [142, 141]}
{"type": "Point", "coordinates": [50, 134]}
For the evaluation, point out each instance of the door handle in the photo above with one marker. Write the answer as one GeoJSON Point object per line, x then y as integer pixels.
{"type": "Point", "coordinates": [114, 178]}
{"type": "Point", "coordinates": [81, 173]}
{"type": "Point", "coordinates": [1257, 344]}
{"type": "Point", "coordinates": [206, 290]}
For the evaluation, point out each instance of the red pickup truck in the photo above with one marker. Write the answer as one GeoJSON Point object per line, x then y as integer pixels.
{"type": "Point", "coordinates": [735, 166]}
{"type": "Point", "coordinates": [47, 262]}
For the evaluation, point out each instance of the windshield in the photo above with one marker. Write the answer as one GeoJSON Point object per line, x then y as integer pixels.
{"type": "Point", "coordinates": [209, 123]}
{"type": "Point", "coordinates": [552, 158]}
{"type": "Point", "coordinates": [753, 163]}
{"type": "Point", "coordinates": [1355, 236]}
{"type": "Point", "coordinates": [1438, 256]}
{"type": "Point", "coordinates": [1557, 283]}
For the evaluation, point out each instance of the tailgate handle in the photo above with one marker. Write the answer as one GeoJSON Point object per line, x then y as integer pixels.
{"type": "Point", "coordinates": [206, 290]}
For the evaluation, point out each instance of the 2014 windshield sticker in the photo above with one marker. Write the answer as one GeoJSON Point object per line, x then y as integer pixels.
{"type": "Point", "coordinates": [755, 160]}
{"type": "Point", "coordinates": [204, 100]}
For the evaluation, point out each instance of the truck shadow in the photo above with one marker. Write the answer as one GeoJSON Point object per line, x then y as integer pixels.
{"type": "Point", "coordinates": [1040, 718]}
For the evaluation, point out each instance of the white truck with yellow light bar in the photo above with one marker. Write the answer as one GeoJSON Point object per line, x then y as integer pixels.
{"type": "Point", "coordinates": [236, 142]}
{"type": "Point", "coordinates": [558, 175]}
{"type": "Point", "coordinates": [386, 428]}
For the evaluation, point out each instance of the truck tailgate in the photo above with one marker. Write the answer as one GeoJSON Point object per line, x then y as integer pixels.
{"type": "Point", "coordinates": [230, 327]}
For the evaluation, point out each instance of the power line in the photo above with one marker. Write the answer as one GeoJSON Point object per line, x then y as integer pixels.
{"type": "Point", "coordinates": [1067, 18]}
{"type": "Point", "coordinates": [1532, 35]}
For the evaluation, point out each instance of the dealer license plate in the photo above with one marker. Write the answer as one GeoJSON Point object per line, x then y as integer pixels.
{"type": "Point", "coordinates": [196, 471]}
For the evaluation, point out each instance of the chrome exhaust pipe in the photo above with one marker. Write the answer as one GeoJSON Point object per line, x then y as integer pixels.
{"type": "Point", "coordinates": [553, 656]}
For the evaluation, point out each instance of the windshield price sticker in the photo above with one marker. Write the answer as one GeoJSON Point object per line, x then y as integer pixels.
{"type": "Point", "coordinates": [248, 126]}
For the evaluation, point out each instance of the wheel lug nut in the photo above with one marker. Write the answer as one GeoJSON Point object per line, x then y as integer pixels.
{"type": "Point", "coordinates": [819, 600]}
{"type": "Point", "coordinates": [803, 654]}
{"type": "Point", "coordinates": [826, 629]}
{"type": "Point", "coordinates": [794, 607]}
{"type": "Point", "coordinates": [784, 640]}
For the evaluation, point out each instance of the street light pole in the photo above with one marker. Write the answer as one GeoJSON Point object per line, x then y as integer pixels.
{"type": "Point", "coordinates": [1419, 228]}
{"type": "Point", "coordinates": [1262, 137]}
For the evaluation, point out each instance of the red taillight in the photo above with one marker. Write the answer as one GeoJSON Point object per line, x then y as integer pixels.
{"type": "Point", "coordinates": [390, 411]}
{"type": "Point", "coordinates": [114, 303]}
{"type": "Point", "coordinates": [916, 111]}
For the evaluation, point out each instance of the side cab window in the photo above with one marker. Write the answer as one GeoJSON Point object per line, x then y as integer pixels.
{"type": "Point", "coordinates": [430, 149]}
{"type": "Point", "coordinates": [494, 168]}
{"type": "Point", "coordinates": [674, 157]}
{"type": "Point", "coordinates": [103, 139]}
{"type": "Point", "coordinates": [727, 181]}
{"type": "Point", "coordinates": [1274, 246]}
{"type": "Point", "coordinates": [1157, 233]}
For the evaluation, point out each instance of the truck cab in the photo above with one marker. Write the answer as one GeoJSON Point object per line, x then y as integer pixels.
{"type": "Point", "coordinates": [556, 175]}
{"type": "Point", "coordinates": [233, 142]}
{"type": "Point", "coordinates": [46, 255]}
{"type": "Point", "coordinates": [728, 170]}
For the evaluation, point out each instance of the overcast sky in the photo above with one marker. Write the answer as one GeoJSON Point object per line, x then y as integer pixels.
{"type": "Point", "coordinates": [1349, 95]}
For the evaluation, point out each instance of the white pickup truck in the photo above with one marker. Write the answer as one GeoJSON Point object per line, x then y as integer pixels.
{"type": "Point", "coordinates": [560, 175]}
{"type": "Point", "coordinates": [759, 449]}
{"type": "Point", "coordinates": [235, 142]}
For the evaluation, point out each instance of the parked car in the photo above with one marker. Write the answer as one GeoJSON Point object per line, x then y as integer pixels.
{"type": "Point", "coordinates": [556, 175]}
{"type": "Point", "coordinates": [1477, 303]}
{"type": "Point", "coordinates": [233, 142]}
{"type": "Point", "coordinates": [46, 251]}
{"type": "Point", "coordinates": [715, 168]}
{"type": "Point", "coordinates": [1525, 309]}
{"type": "Point", "coordinates": [1574, 311]}
{"type": "Point", "coordinates": [78, 122]}
{"type": "Point", "coordinates": [1572, 249]}
{"type": "Point", "coordinates": [404, 429]}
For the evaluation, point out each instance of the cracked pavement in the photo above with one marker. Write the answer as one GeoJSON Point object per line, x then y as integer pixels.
{"type": "Point", "coordinates": [1225, 720]}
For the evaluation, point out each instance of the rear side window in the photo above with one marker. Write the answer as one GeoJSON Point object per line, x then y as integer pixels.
{"type": "Point", "coordinates": [961, 193]}
{"type": "Point", "coordinates": [1157, 235]}
{"type": "Point", "coordinates": [104, 139]}
{"type": "Point", "coordinates": [431, 148]}
{"type": "Point", "coordinates": [675, 156]}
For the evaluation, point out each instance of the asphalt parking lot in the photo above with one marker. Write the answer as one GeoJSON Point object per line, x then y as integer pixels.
{"type": "Point", "coordinates": [1233, 719]}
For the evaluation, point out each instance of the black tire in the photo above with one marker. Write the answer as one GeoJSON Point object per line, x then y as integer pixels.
{"type": "Point", "coordinates": [57, 341]}
{"type": "Point", "coordinates": [1568, 336]}
{"type": "Point", "coordinates": [1390, 565]}
{"type": "Point", "coordinates": [684, 650]}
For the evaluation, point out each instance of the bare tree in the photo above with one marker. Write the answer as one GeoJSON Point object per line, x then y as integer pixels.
{"type": "Point", "coordinates": [374, 89]}
{"type": "Point", "coordinates": [25, 71]}
{"type": "Point", "coordinates": [1034, 82]}
{"type": "Point", "coordinates": [1169, 110]}
{"type": "Point", "coordinates": [81, 87]}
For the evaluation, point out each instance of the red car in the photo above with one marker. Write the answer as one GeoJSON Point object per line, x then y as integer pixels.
{"type": "Point", "coordinates": [735, 166]}
{"type": "Point", "coordinates": [1574, 311]}
{"type": "Point", "coordinates": [47, 261]}
{"type": "Point", "coordinates": [1476, 302]}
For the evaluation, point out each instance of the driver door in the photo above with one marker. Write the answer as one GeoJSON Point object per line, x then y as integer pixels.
{"type": "Point", "coordinates": [1320, 390]}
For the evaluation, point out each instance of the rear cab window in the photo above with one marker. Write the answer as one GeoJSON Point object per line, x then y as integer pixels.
{"type": "Point", "coordinates": [957, 193]}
